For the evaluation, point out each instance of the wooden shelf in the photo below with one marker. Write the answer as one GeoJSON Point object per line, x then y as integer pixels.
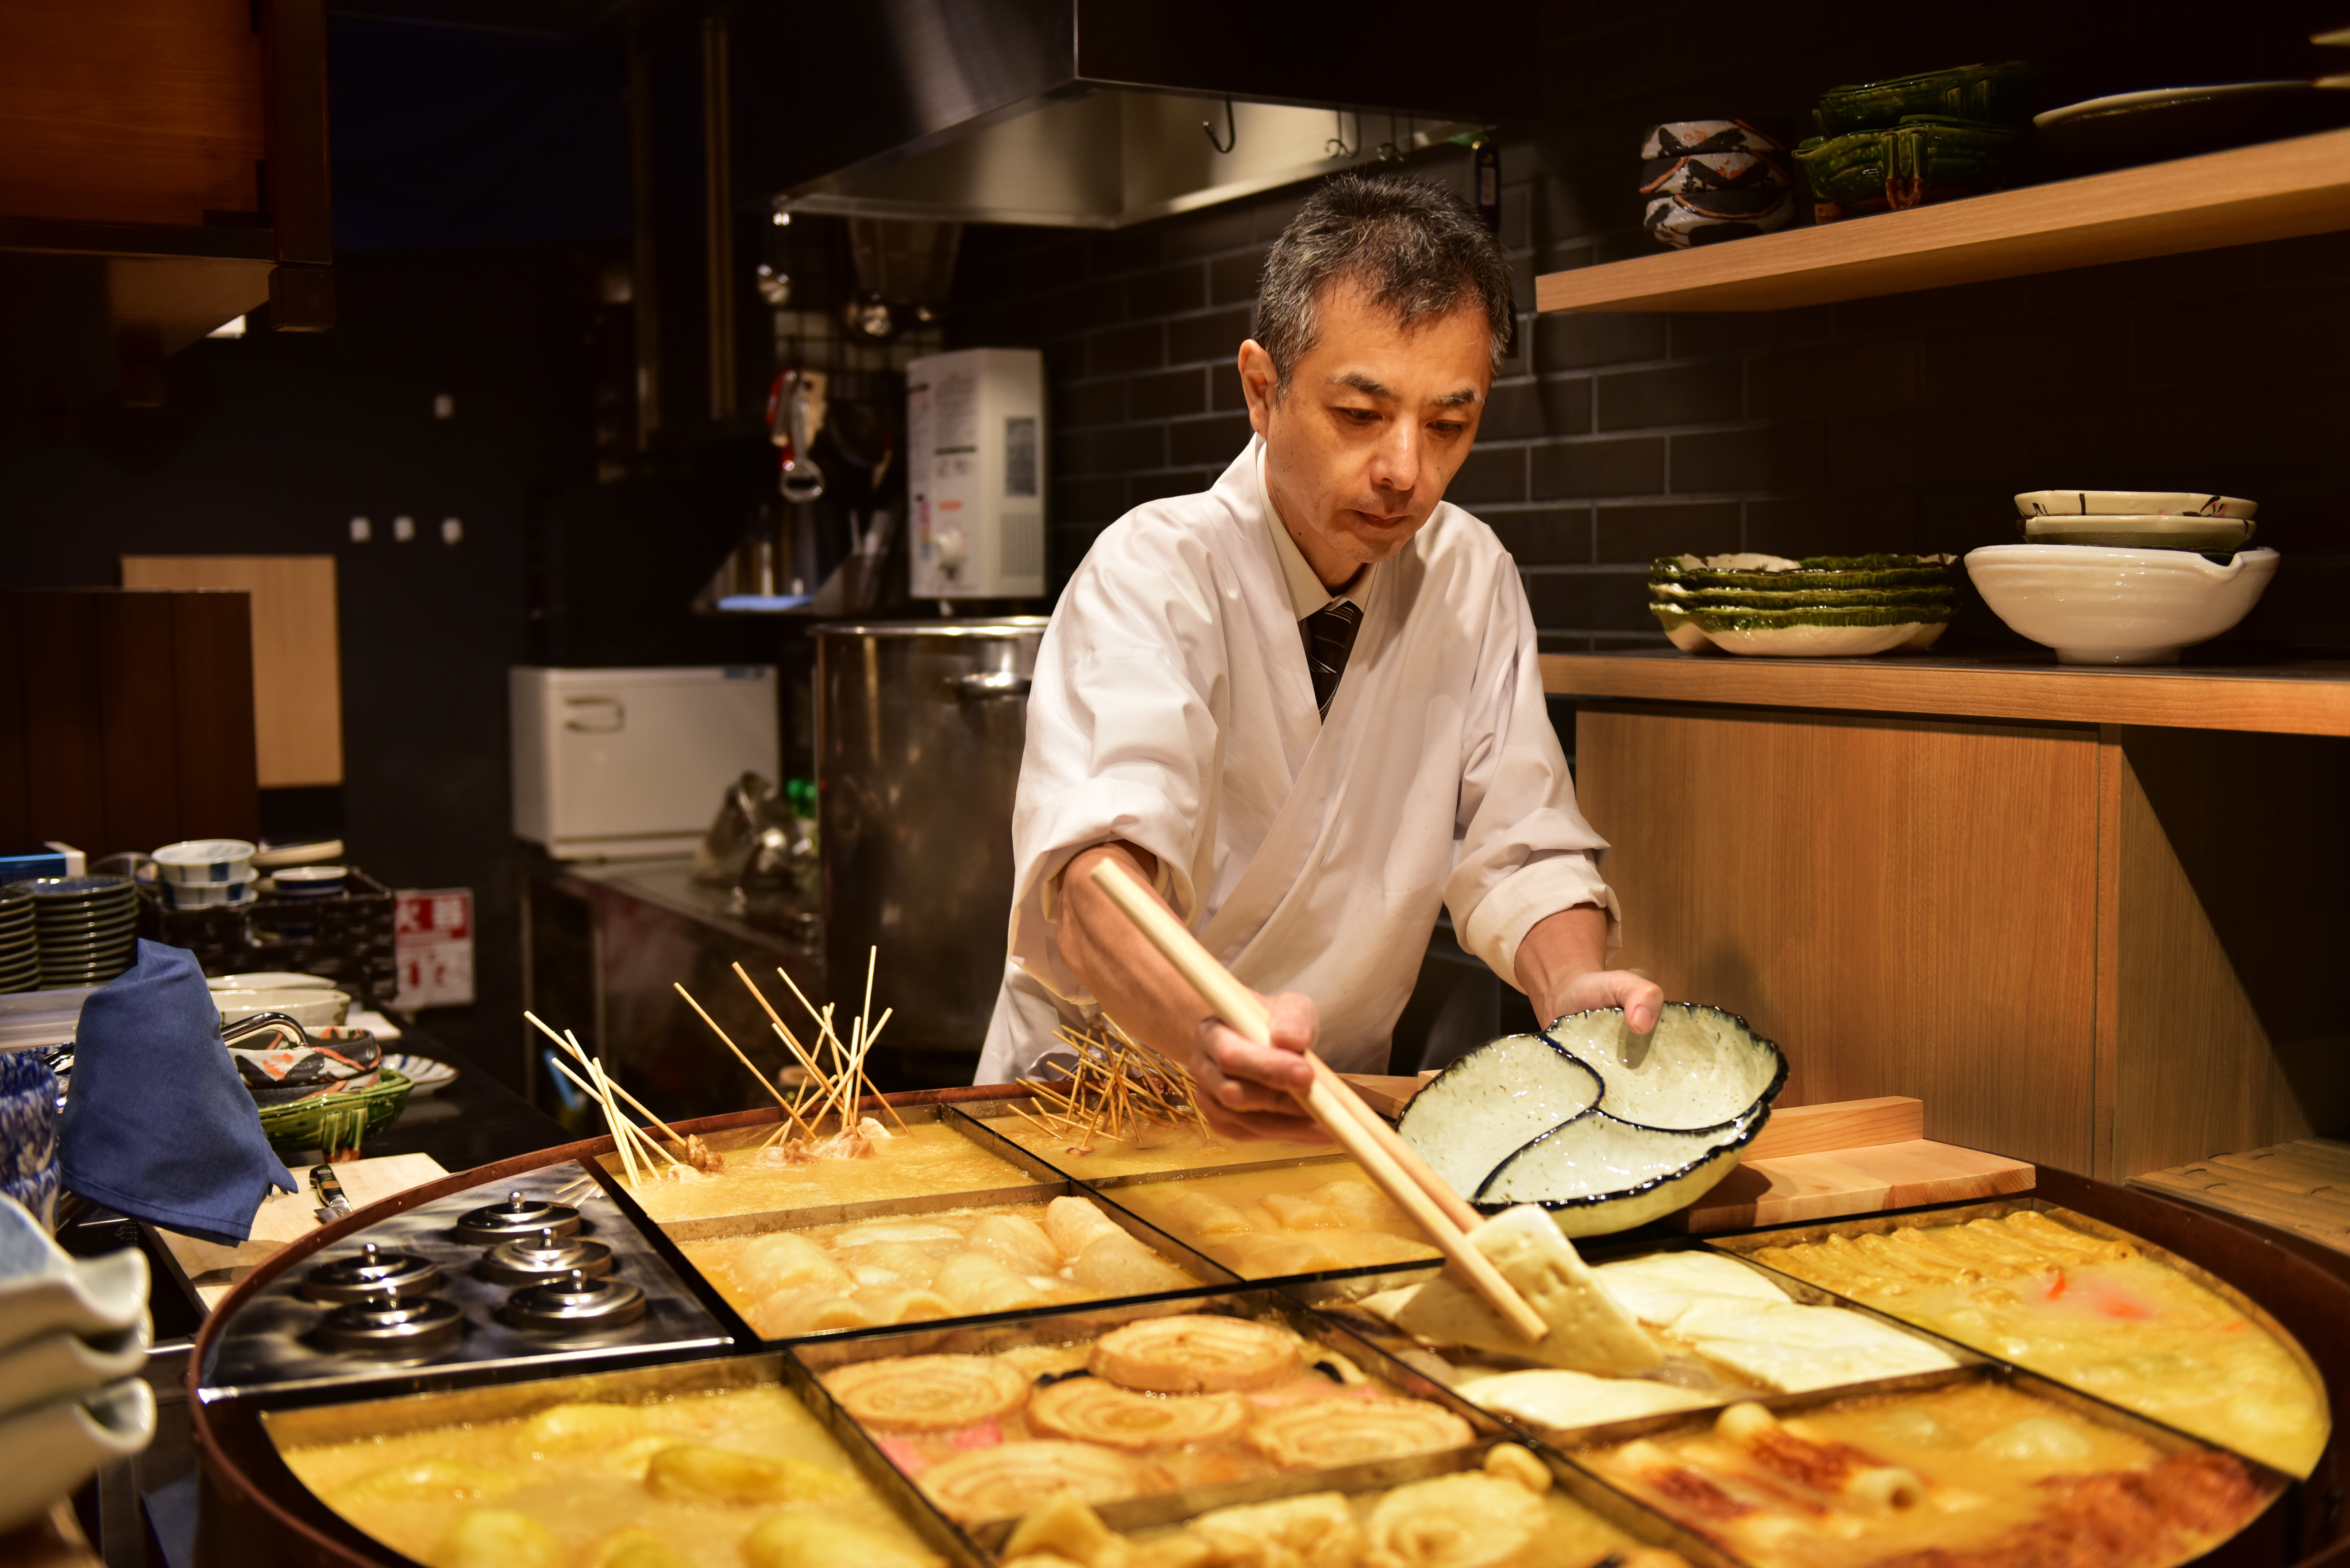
{"type": "Point", "coordinates": [2271, 191]}
{"type": "Point", "coordinates": [2303, 698]}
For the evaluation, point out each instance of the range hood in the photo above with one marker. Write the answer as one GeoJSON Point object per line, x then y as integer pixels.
{"type": "Point", "coordinates": [1090, 113]}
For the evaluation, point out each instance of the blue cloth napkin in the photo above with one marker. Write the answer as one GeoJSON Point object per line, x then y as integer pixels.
{"type": "Point", "coordinates": [156, 1123]}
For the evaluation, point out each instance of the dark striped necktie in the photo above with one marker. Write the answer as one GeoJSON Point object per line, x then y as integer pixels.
{"type": "Point", "coordinates": [1329, 634]}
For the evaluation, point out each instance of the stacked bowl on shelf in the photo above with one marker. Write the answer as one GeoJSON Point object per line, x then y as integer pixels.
{"type": "Point", "coordinates": [1819, 606]}
{"type": "Point", "coordinates": [199, 873]}
{"type": "Point", "coordinates": [20, 965]}
{"type": "Point", "coordinates": [85, 928]}
{"type": "Point", "coordinates": [2125, 577]}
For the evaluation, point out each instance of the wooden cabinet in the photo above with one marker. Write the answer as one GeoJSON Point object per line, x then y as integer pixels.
{"type": "Point", "coordinates": [2108, 947]}
{"type": "Point", "coordinates": [162, 170]}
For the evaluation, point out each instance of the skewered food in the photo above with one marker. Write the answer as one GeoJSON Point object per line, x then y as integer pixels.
{"type": "Point", "coordinates": [1196, 1354]}
{"type": "Point", "coordinates": [929, 1393]}
{"type": "Point", "coordinates": [1503, 1515]}
{"type": "Point", "coordinates": [1967, 1476]}
{"type": "Point", "coordinates": [2099, 1315]}
{"type": "Point", "coordinates": [959, 1262]}
{"type": "Point", "coordinates": [1190, 1399]}
{"type": "Point", "coordinates": [738, 1476]}
{"type": "Point", "coordinates": [1297, 1219]}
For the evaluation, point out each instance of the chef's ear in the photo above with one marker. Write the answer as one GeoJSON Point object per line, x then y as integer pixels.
{"type": "Point", "coordinates": [1259, 385]}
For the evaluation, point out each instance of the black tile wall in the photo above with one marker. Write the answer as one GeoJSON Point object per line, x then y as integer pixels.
{"type": "Point", "coordinates": [1898, 423]}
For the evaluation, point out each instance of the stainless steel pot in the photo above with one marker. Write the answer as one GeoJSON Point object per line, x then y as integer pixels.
{"type": "Point", "coordinates": [920, 726]}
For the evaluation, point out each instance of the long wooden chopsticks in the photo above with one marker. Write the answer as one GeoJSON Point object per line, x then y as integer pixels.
{"type": "Point", "coordinates": [1391, 1163]}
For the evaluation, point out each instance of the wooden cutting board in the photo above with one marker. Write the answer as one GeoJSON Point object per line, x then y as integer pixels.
{"type": "Point", "coordinates": [1846, 1181]}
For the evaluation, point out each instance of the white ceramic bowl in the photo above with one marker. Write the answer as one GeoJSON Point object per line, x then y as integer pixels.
{"type": "Point", "coordinates": [203, 895]}
{"type": "Point", "coordinates": [2096, 605]}
{"type": "Point", "coordinates": [270, 979]}
{"type": "Point", "coordinates": [2131, 503]}
{"type": "Point", "coordinates": [2142, 531]}
{"type": "Point", "coordinates": [205, 860]}
{"type": "Point", "coordinates": [310, 1009]}
{"type": "Point", "coordinates": [44, 1290]}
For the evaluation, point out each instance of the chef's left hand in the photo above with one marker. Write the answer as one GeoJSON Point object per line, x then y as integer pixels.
{"type": "Point", "coordinates": [1560, 969]}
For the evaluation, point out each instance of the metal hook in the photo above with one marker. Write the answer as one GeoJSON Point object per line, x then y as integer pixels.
{"type": "Point", "coordinates": [1390, 153]}
{"type": "Point", "coordinates": [1232, 131]}
{"type": "Point", "coordinates": [1336, 146]}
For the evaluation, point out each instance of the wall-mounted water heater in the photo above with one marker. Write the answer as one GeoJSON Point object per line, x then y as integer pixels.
{"type": "Point", "coordinates": [975, 473]}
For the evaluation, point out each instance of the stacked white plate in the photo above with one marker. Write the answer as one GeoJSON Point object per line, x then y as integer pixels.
{"type": "Point", "coordinates": [2136, 519]}
{"type": "Point", "coordinates": [73, 1337]}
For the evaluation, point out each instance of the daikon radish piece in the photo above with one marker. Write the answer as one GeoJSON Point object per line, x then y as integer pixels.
{"type": "Point", "coordinates": [497, 1538]}
{"type": "Point", "coordinates": [1118, 1265]}
{"type": "Point", "coordinates": [904, 1306]}
{"type": "Point", "coordinates": [814, 1311]}
{"type": "Point", "coordinates": [1205, 1214]}
{"type": "Point", "coordinates": [1359, 1202]}
{"type": "Point", "coordinates": [1074, 1223]}
{"type": "Point", "coordinates": [978, 1283]}
{"type": "Point", "coordinates": [1017, 1242]}
{"type": "Point", "coordinates": [1589, 1329]}
{"type": "Point", "coordinates": [787, 1260]}
{"type": "Point", "coordinates": [1298, 1213]}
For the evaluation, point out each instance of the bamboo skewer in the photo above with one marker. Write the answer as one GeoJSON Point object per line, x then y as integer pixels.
{"type": "Point", "coordinates": [579, 1053]}
{"type": "Point", "coordinates": [590, 1090]}
{"type": "Point", "coordinates": [746, 1062]}
{"type": "Point", "coordinates": [1325, 1101]}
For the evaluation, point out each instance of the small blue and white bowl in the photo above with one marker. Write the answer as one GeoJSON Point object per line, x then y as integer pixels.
{"type": "Point", "coordinates": [311, 881]}
{"type": "Point", "coordinates": [198, 861]}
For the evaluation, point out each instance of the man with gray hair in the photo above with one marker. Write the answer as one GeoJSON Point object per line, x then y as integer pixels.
{"type": "Point", "coordinates": [1303, 707]}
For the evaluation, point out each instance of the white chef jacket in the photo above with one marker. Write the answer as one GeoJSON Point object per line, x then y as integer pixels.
{"type": "Point", "coordinates": [1173, 709]}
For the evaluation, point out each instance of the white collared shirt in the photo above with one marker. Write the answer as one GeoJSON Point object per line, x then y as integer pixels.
{"type": "Point", "coordinates": [1173, 709]}
{"type": "Point", "coordinates": [1306, 595]}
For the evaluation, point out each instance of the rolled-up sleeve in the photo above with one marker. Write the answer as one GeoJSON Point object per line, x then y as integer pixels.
{"type": "Point", "coordinates": [1122, 732]}
{"type": "Point", "coordinates": [1524, 851]}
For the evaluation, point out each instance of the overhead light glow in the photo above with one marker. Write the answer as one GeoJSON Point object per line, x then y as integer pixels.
{"type": "Point", "coordinates": [228, 329]}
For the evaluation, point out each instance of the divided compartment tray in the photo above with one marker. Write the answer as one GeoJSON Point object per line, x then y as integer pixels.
{"type": "Point", "coordinates": [253, 1431]}
{"type": "Point", "coordinates": [1006, 1110]}
{"type": "Point", "coordinates": [1743, 1246]}
{"type": "Point", "coordinates": [983, 1539]}
{"type": "Point", "coordinates": [2262, 1538]}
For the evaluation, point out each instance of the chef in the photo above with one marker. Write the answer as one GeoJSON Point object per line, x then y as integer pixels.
{"type": "Point", "coordinates": [1302, 707]}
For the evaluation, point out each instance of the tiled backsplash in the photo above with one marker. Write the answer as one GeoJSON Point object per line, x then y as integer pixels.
{"type": "Point", "coordinates": [1898, 423]}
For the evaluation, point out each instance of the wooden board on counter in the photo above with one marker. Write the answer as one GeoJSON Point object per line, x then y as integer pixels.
{"type": "Point", "coordinates": [213, 1271]}
{"type": "Point", "coordinates": [2302, 1187]}
{"type": "Point", "coordinates": [1832, 1186]}
{"type": "Point", "coordinates": [2301, 697]}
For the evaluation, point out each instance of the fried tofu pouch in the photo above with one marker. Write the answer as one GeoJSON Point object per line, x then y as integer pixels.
{"type": "Point", "coordinates": [1590, 1331]}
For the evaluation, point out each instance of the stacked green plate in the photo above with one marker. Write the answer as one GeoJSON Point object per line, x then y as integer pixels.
{"type": "Point", "coordinates": [1819, 606]}
{"type": "Point", "coordinates": [339, 1120]}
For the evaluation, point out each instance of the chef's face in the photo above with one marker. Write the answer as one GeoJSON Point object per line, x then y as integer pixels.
{"type": "Point", "coordinates": [1374, 420]}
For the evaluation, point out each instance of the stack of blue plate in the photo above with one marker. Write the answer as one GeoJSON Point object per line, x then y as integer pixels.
{"type": "Point", "coordinates": [20, 967]}
{"type": "Point", "coordinates": [87, 927]}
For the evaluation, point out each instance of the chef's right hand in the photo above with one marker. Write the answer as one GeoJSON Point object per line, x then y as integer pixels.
{"type": "Point", "coordinates": [1249, 1091]}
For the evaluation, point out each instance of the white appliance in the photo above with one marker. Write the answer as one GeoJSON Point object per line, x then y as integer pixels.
{"type": "Point", "coordinates": [975, 473]}
{"type": "Point", "coordinates": [632, 764]}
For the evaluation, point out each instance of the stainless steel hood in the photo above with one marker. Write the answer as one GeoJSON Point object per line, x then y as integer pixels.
{"type": "Point", "coordinates": [1089, 113]}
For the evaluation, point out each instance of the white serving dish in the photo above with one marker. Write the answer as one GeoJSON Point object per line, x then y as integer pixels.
{"type": "Point", "coordinates": [199, 860]}
{"type": "Point", "coordinates": [2132, 503]}
{"type": "Point", "coordinates": [270, 979]}
{"type": "Point", "coordinates": [425, 1075]}
{"type": "Point", "coordinates": [44, 1290]}
{"type": "Point", "coordinates": [46, 1452]}
{"type": "Point", "coordinates": [203, 895]}
{"type": "Point", "coordinates": [61, 1364]}
{"type": "Point", "coordinates": [2142, 531]}
{"type": "Point", "coordinates": [2099, 604]}
{"type": "Point", "coordinates": [1638, 1128]}
{"type": "Point", "coordinates": [310, 1008]}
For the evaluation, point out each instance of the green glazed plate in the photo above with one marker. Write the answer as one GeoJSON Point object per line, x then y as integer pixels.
{"type": "Point", "coordinates": [2000, 93]}
{"type": "Point", "coordinates": [338, 1121]}
{"type": "Point", "coordinates": [1796, 598]}
{"type": "Point", "coordinates": [1921, 159]}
